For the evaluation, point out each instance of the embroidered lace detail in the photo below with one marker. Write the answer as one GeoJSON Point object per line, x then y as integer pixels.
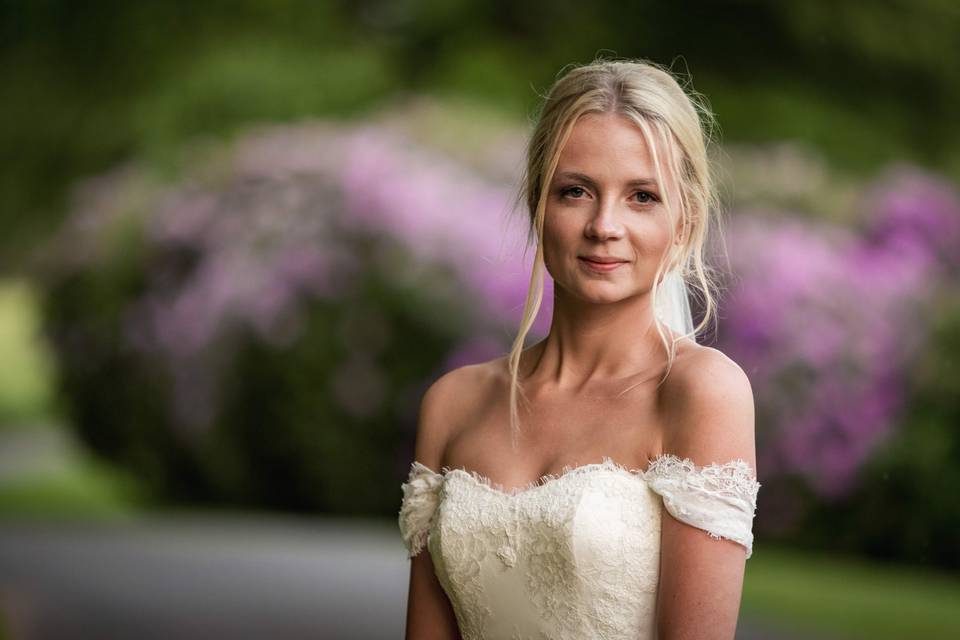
{"type": "Point", "coordinates": [570, 555]}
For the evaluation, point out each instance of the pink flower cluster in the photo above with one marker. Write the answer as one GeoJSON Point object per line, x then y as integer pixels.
{"type": "Point", "coordinates": [826, 320]}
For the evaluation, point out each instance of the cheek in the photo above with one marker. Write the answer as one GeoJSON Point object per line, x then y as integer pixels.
{"type": "Point", "coordinates": [651, 237]}
{"type": "Point", "coordinates": [558, 238]}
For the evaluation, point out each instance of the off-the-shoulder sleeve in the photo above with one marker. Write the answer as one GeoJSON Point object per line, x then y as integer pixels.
{"type": "Point", "coordinates": [720, 498]}
{"type": "Point", "coordinates": [421, 494]}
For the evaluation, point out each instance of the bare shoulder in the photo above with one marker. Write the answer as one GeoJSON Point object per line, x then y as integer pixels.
{"type": "Point", "coordinates": [701, 371]}
{"type": "Point", "coordinates": [709, 400]}
{"type": "Point", "coordinates": [447, 404]}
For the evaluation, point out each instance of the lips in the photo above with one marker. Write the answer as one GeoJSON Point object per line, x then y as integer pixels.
{"type": "Point", "coordinates": [601, 264]}
{"type": "Point", "coordinates": [602, 259]}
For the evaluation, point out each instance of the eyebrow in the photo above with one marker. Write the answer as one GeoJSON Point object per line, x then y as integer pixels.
{"type": "Point", "coordinates": [582, 177]}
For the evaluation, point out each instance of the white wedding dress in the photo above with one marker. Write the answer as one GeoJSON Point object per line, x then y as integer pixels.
{"type": "Point", "coordinates": [571, 556]}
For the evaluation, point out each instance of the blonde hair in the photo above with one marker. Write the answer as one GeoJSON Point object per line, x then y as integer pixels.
{"type": "Point", "coordinates": [677, 126]}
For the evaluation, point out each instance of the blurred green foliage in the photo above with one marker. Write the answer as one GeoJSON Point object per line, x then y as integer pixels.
{"type": "Point", "coordinates": [88, 85]}
{"type": "Point", "coordinates": [905, 506]}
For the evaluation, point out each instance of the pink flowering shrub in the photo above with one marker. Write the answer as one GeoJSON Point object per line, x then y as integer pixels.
{"type": "Point", "coordinates": [829, 323]}
{"type": "Point", "coordinates": [262, 328]}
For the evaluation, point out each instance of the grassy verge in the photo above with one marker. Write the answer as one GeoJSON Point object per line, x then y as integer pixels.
{"type": "Point", "coordinates": [82, 488]}
{"type": "Point", "coordinates": [25, 375]}
{"type": "Point", "coordinates": [848, 598]}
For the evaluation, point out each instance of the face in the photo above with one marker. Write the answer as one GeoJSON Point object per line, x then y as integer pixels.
{"type": "Point", "coordinates": [605, 203]}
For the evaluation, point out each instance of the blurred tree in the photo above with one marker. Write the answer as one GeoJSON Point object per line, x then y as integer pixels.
{"type": "Point", "coordinates": [89, 84]}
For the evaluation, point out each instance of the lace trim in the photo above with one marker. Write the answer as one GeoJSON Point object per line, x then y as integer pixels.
{"type": "Point", "coordinates": [568, 470]}
{"type": "Point", "coordinates": [734, 481]}
{"type": "Point", "coordinates": [735, 477]}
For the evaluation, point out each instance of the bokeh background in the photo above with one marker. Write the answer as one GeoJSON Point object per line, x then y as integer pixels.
{"type": "Point", "coordinates": [240, 239]}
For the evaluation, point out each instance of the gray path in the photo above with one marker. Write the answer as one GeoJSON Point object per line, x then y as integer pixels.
{"type": "Point", "coordinates": [210, 576]}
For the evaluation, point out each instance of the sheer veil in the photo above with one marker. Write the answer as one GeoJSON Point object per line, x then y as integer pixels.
{"type": "Point", "coordinates": [673, 304]}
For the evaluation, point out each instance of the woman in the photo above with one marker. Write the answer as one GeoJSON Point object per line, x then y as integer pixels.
{"type": "Point", "coordinates": [617, 500]}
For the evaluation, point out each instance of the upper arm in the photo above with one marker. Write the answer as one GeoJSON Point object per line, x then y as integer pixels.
{"type": "Point", "coordinates": [701, 577]}
{"type": "Point", "coordinates": [429, 613]}
{"type": "Point", "coordinates": [433, 421]}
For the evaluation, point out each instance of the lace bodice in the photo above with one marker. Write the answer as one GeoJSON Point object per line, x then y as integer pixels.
{"type": "Point", "coordinates": [572, 555]}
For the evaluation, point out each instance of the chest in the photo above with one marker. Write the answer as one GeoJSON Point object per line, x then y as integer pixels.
{"type": "Point", "coordinates": [554, 436]}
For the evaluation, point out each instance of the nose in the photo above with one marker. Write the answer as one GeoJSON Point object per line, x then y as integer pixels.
{"type": "Point", "coordinates": [604, 224]}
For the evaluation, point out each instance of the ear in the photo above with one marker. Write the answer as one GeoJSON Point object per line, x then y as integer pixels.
{"type": "Point", "coordinates": [679, 232]}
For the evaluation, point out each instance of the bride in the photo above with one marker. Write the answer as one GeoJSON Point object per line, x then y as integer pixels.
{"type": "Point", "coordinates": [600, 483]}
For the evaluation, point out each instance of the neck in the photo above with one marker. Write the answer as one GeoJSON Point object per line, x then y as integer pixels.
{"type": "Point", "coordinates": [595, 343]}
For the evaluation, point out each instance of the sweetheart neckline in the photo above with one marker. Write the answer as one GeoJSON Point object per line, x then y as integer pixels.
{"type": "Point", "coordinates": [737, 464]}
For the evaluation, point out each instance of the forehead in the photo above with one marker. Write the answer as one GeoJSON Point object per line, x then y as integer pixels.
{"type": "Point", "coordinates": [608, 143]}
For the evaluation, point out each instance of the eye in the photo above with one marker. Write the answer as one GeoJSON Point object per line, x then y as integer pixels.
{"type": "Point", "coordinates": [574, 192]}
{"type": "Point", "coordinates": [645, 197]}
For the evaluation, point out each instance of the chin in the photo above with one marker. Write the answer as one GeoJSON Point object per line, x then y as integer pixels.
{"type": "Point", "coordinates": [603, 294]}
